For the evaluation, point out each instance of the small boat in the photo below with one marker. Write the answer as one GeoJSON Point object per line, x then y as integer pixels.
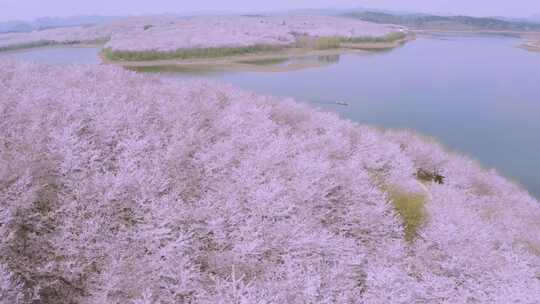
{"type": "Point", "coordinates": [342, 103]}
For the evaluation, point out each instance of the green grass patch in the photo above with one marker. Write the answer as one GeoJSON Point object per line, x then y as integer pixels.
{"type": "Point", "coordinates": [325, 43]}
{"type": "Point", "coordinates": [188, 53]}
{"type": "Point", "coordinates": [388, 38]}
{"type": "Point", "coordinates": [318, 43]}
{"type": "Point", "coordinates": [411, 209]}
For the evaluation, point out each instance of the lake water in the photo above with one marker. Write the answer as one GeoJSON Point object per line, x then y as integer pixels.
{"type": "Point", "coordinates": [479, 95]}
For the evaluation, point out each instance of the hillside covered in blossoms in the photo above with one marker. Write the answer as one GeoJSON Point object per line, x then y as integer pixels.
{"type": "Point", "coordinates": [117, 187]}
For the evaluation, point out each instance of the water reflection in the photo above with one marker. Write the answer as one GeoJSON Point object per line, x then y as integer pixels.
{"type": "Point", "coordinates": [329, 58]}
{"type": "Point", "coordinates": [221, 67]}
{"type": "Point", "coordinates": [314, 60]}
{"type": "Point", "coordinates": [200, 70]}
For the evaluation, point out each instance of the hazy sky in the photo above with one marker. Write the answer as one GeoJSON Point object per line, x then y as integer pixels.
{"type": "Point", "coordinates": [29, 9]}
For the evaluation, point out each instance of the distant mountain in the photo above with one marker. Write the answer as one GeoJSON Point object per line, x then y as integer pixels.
{"type": "Point", "coordinates": [426, 21]}
{"type": "Point", "coordinates": [531, 19]}
{"type": "Point", "coordinates": [48, 22]}
{"type": "Point", "coordinates": [332, 11]}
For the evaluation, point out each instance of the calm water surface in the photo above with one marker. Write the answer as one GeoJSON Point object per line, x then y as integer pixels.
{"type": "Point", "coordinates": [478, 95]}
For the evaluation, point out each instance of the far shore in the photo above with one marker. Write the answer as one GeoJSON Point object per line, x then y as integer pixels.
{"type": "Point", "coordinates": [531, 39]}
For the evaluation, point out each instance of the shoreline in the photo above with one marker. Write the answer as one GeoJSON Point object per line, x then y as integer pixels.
{"type": "Point", "coordinates": [248, 62]}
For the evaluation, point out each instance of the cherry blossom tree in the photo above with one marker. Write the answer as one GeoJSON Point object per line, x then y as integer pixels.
{"type": "Point", "coordinates": [117, 187]}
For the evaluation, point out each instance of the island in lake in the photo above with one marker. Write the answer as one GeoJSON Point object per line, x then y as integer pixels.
{"type": "Point", "coordinates": [141, 41]}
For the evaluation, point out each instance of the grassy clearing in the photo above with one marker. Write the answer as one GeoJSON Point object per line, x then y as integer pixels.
{"type": "Point", "coordinates": [411, 209]}
{"type": "Point", "coordinates": [188, 53]}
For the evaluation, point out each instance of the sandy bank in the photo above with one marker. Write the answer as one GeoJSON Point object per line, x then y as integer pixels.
{"type": "Point", "coordinates": [531, 40]}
